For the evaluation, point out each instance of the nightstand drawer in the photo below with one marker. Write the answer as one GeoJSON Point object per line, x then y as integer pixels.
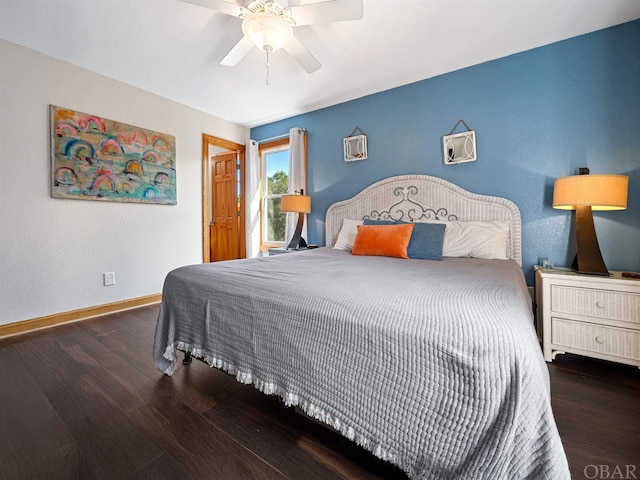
{"type": "Point", "coordinates": [596, 303]}
{"type": "Point", "coordinates": [619, 342]}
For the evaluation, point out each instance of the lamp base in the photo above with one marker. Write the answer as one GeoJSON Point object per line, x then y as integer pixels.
{"type": "Point", "coordinates": [588, 259]}
{"type": "Point", "coordinates": [302, 245]}
{"type": "Point", "coordinates": [575, 267]}
{"type": "Point", "coordinates": [297, 242]}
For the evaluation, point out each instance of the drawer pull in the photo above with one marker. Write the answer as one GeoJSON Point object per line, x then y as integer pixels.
{"type": "Point", "coordinates": [599, 339]}
{"type": "Point", "coordinates": [600, 304]}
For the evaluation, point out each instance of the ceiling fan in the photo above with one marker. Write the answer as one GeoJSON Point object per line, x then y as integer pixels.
{"type": "Point", "coordinates": [268, 25]}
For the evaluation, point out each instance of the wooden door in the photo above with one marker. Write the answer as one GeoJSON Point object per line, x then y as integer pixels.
{"type": "Point", "coordinates": [225, 228]}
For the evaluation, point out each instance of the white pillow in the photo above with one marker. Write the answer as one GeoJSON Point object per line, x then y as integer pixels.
{"type": "Point", "coordinates": [476, 239]}
{"type": "Point", "coordinates": [347, 234]}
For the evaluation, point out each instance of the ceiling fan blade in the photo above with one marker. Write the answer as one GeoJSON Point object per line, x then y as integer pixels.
{"type": "Point", "coordinates": [303, 56]}
{"type": "Point", "coordinates": [238, 52]}
{"type": "Point", "coordinates": [328, 11]}
{"type": "Point", "coordinates": [230, 8]}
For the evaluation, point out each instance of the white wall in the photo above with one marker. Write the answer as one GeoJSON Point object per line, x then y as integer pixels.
{"type": "Point", "coordinates": [53, 252]}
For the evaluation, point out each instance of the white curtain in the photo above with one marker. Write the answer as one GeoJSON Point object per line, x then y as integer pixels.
{"type": "Point", "coordinates": [252, 199]}
{"type": "Point", "coordinates": [297, 178]}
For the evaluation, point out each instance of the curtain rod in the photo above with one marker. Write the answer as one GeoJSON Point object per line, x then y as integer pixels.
{"type": "Point", "coordinates": [277, 137]}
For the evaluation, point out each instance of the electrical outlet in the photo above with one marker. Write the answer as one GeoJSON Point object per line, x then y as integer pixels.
{"type": "Point", "coordinates": [109, 279]}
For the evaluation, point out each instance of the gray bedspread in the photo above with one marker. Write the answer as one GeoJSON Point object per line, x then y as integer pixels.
{"type": "Point", "coordinates": [433, 366]}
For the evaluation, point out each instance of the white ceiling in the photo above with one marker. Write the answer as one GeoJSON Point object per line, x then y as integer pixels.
{"type": "Point", "coordinates": [172, 48]}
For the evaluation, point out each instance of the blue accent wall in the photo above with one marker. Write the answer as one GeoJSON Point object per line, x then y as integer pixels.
{"type": "Point", "coordinates": [538, 115]}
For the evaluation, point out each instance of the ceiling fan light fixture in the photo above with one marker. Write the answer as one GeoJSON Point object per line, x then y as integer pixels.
{"type": "Point", "coordinates": [268, 31]}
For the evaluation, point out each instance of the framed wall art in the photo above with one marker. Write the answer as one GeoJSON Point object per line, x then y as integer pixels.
{"type": "Point", "coordinates": [459, 147]}
{"type": "Point", "coordinates": [94, 158]}
{"type": "Point", "coordinates": [355, 146]}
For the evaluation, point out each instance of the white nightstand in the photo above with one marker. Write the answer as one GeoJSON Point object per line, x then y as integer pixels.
{"type": "Point", "coordinates": [588, 315]}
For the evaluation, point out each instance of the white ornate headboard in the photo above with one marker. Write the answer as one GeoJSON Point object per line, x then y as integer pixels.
{"type": "Point", "coordinates": [422, 198]}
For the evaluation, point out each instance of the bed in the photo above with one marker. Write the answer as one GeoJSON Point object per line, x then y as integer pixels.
{"type": "Point", "coordinates": [431, 364]}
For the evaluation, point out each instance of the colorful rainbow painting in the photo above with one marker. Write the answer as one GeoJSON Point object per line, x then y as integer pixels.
{"type": "Point", "coordinates": [149, 191]}
{"type": "Point", "coordinates": [94, 158]}
{"type": "Point", "coordinates": [124, 139]}
{"type": "Point", "coordinates": [65, 176]}
{"type": "Point", "coordinates": [160, 143]}
{"type": "Point", "coordinates": [103, 183]}
{"type": "Point", "coordinates": [89, 123]}
{"type": "Point", "coordinates": [140, 137]}
{"type": "Point", "coordinates": [110, 146]}
{"type": "Point", "coordinates": [151, 156]}
{"type": "Point", "coordinates": [65, 129]}
{"type": "Point", "coordinates": [162, 179]}
{"type": "Point", "coordinates": [134, 166]}
{"type": "Point", "coordinates": [78, 149]}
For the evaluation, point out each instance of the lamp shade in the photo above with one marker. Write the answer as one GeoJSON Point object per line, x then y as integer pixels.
{"type": "Point", "coordinates": [296, 203]}
{"type": "Point", "coordinates": [600, 192]}
{"type": "Point", "coordinates": [268, 31]}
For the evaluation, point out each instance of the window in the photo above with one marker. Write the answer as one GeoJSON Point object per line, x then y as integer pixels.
{"type": "Point", "coordinates": [274, 157]}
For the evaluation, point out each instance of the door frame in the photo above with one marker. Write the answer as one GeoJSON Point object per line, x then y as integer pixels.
{"type": "Point", "coordinates": [207, 141]}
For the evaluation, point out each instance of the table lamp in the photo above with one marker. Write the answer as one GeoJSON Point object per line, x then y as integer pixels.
{"type": "Point", "coordinates": [300, 204]}
{"type": "Point", "coordinates": [585, 193]}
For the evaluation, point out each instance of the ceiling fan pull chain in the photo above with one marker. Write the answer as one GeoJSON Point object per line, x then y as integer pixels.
{"type": "Point", "coordinates": [267, 65]}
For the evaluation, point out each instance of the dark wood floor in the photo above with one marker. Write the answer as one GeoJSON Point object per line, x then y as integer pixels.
{"type": "Point", "coordinates": [84, 401]}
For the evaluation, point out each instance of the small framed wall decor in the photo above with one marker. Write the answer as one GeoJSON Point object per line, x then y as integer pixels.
{"type": "Point", "coordinates": [355, 146]}
{"type": "Point", "coordinates": [459, 147]}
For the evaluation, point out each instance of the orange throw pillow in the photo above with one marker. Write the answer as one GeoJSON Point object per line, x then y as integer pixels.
{"type": "Point", "coordinates": [383, 240]}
